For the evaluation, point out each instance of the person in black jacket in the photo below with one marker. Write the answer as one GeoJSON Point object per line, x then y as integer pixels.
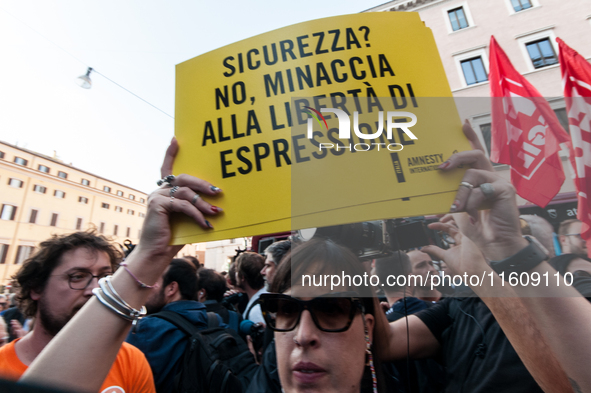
{"type": "Point", "coordinates": [211, 288]}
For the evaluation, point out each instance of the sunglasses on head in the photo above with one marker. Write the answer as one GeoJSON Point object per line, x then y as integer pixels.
{"type": "Point", "coordinates": [332, 314]}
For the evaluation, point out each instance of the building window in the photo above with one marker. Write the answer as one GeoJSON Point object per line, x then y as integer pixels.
{"type": "Point", "coordinates": [20, 161]}
{"type": "Point", "coordinates": [142, 200]}
{"type": "Point", "coordinates": [562, 118]}
{"type": "Point", "coordinates": [39, 189]}
{"type": "Point", "coordinates": [457, 18]}
{"type": "Point", "coordinates": [78, 224]}
{"type": "Point", "coordinates": [115, 229]}
{"type": "Point", "coordinates": [520, 5]}
{"type": "Point", "coordinates": [53, 222]}
{"type": "Point", "coordinates": [63, 175]}
{"type": "Point", "coordinates": [118, 209]}
{"type": "Point", "coordinates": [102, 228]}
{"type": "Point", "coordinates": [15, 183]}
{"type": "Point", "coordinates": [1, 154]}
{"type": "Point", "coordinates": [120, 193]}
{"type": "Point", "coordinates": [128, 232]}
{"type": "Point", "coordinates": [541, 53]}
{"type": "Point", "coordinates": [474, 71]}
{"type": "Point", "coordinates": [85, 182]}
{"type": "Point", "coordinates": [485, 131]}
{"type": "Point", "coordinates": [130, 212]}
{"type": "Point", "coordinates": [3, 253]}
{"type": "Point", "coordinates": [33, 217]}
{"type": "Point", "coordinates": [107, 189]}
{"type": "Point", "coordinates": [43, 168]}
{"type": "Point", "coordinates": [132, 197]}
{"type": "Point", "coordinates": [105, 205]}
{"type": "Point", "coordinates": [141, 215]}
{"type": "Point", "coordinates": [22, 254]}
{"type": "Point", "coordinates": [83, 199]}
{"type": "Point", "coordinates": [59, 194]}
{"type": "Point", "coordinates": [8, 212]}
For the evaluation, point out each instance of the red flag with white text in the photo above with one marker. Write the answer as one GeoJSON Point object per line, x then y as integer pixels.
{"type": "Point", "coordinates": [525, 132]}
{"type": "Point", "coordinates": [576, 79]}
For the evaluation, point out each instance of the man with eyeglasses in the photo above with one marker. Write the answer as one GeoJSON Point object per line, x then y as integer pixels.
{"type": "Point", "coordinates": [574, 258]}
{"type": "Point", "coordinates": [54, 284]}
{"type": "Point", "coordinates": [569, 235]}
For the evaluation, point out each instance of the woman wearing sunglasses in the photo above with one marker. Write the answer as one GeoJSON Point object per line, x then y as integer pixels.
{"type": "Point", "coordinates": [323, 335]}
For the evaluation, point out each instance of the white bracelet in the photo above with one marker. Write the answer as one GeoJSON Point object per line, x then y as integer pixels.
{"type": "Point", "coordinates": [111, 300]}
{"type": "Point", "coordinates": [106, 282]}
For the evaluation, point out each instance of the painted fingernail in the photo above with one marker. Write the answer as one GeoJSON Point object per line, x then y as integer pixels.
{"type": "Point", "coordinates": [472, 221]}
{"type": "Point", "coordinates": [454, 206]}
{"type": "Point", "coordinates": [217, 209]}
{"type": "Point", "coordinates": [215, 189]}
{"type": "Point", "coordinates": [444, 165]}
{"type": "Point", "coordinates": [208, 224]}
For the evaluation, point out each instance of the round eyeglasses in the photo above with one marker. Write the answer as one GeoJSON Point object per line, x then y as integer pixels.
{"type": "Point", "coordinates": [81, 280]}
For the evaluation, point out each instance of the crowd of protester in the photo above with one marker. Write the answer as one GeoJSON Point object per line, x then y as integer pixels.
{"type": "Point", "coordinates": [86, 319]}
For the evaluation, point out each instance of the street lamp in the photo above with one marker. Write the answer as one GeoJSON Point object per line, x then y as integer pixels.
{"type": "Point", "coordinates": [84, 80]}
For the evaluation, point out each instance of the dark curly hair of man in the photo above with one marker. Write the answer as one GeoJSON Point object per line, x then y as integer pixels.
{"type": "Point", "coordinates": [35, 272]}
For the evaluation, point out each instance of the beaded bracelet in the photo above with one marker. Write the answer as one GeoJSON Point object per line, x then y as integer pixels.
{"type": "Point", "coordinates": [143, 285]}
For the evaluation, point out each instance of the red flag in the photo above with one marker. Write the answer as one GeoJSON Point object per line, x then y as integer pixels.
{"type": "Point", "coordinates": [576, 78]}
{"type": "Point", "coordinates": [525, 131]}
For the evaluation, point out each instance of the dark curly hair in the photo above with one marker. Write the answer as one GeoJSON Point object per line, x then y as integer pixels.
{"type": "Point", "coordinates": [35, 272]}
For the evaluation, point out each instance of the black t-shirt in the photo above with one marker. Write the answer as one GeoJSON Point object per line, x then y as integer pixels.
{"type": "Point", "coordinates": [477, 354]}
{"type": "Point", "coordinates": [583, 285]}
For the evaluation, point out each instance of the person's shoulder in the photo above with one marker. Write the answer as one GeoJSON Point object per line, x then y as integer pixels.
{"type": "Point", "coordinates": [10, 365]}
{"type": "Point", "coordinates": [130, 359]}
{"type": "Point", "coordinates": [130, 371]}
{"type": "Point", "coordinates": [8, 351]}
{"type": "Point", "coordinates": [129, 351]}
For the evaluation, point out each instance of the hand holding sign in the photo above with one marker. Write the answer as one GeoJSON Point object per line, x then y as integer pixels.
{"type": "Point", "coordinates": [244, 116]}
{"type": "Point", "coordinates": [180, 194]}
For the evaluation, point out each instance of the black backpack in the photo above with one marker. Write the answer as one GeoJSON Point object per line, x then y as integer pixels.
{"type": "Point", "coordinates": [215, 360]}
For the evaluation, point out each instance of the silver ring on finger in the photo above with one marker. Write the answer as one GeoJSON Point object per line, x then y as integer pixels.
{"type": "Point", "coordinates": [194, 200]}
{"type": "Point", "coordinates": [172, 191]}
{"type": "Point", "coordinates": [466, 184]}
{"type": "Point", "coordinates": [166, 181]}
{"type": "Point", "coordinates": [488, 190]}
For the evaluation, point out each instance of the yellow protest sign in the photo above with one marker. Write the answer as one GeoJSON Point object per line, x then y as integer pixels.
{"type": "Point", "coordinates": [265, 119]}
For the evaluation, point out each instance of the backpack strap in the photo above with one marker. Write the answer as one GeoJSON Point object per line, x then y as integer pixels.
{"type": "Point", "coordinates": [247, 314]}
{"type": "Point", "coordinates": [212, 320]}
{"type": "Point", "coordinates": [177, 320]}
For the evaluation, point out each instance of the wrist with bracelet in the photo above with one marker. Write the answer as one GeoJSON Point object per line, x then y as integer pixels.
{"type": "Point", "coordinates": [108, 297]}
{"type": "Point", "coordinates": [524, 260]}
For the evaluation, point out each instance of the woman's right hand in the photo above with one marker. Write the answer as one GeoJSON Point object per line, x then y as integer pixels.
{"type": "Point", "coordinates": [496, 231]}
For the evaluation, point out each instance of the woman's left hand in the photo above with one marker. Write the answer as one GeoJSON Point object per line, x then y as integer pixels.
{"type": "Point", "coordinates": [183, 194]}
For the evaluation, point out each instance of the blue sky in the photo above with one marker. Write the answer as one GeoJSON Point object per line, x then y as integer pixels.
{"type": "Point", "coordinates": [105, 130]}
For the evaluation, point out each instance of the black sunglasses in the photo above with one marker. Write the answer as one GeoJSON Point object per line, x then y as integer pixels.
{"type": "Point", "coordinates": [330, 314]}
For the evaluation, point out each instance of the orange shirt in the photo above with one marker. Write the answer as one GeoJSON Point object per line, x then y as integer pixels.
{"type": "Point", "coordinates": [130, 372]}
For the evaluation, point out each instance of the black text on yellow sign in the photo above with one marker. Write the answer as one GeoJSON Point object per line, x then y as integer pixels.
{"type": "Point", "coordinates": [242, 116]}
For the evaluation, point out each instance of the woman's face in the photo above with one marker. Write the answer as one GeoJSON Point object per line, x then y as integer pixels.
{"type": "Point", "coordinates": [311, 360]}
